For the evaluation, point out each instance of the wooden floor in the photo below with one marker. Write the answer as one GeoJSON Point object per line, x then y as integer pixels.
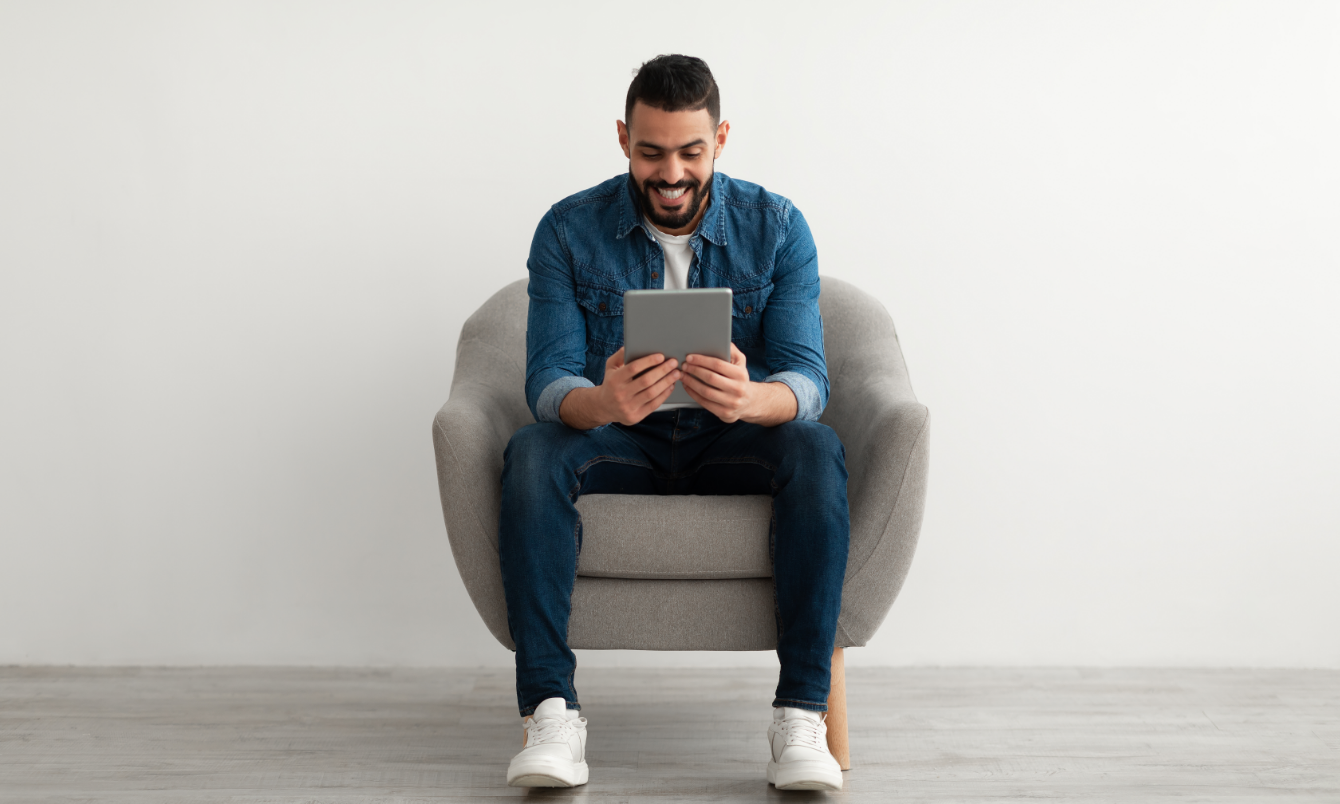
{"type": "Point", "coordinates": [300, 735]}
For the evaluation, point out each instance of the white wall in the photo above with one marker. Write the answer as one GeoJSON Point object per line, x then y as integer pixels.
{"type": "Point", "coordinates": [238, 240]}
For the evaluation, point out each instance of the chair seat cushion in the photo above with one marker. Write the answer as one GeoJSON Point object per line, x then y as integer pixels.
{"type": "Point", "coordinates": [680, 536]}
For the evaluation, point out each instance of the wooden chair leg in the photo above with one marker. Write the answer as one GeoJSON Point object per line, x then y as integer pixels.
{"type": "Point", "coordinates": [837, 711]}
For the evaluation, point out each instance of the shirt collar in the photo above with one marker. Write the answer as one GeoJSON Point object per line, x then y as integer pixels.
{"type": "Point", "coordinates": [712, 226]}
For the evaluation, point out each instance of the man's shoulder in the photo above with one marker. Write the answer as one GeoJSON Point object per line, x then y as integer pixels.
{"type": "Point", "coordinates": [746, 195]}
{"type": "Point", "coordinates": [593, 199]}
{"type": "Point", "coordinates": [751, 214]}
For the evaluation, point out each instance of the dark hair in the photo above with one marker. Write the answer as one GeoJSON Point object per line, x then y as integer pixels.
{"type": "Point", "coordinates": [674, 83]}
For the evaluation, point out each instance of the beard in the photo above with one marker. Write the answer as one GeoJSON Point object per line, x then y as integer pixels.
{"type": "Point", "coordinates": [696, 190]}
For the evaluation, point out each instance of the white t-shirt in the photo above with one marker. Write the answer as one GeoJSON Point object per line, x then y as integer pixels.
{"type": "Point", "coordinates": [678, 255]}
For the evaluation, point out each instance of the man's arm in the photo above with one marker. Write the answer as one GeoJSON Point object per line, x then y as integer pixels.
{"type": "Point", "coordinates": [555, 326]}
{"type": "Point", "coordinates": [724, 389]}
{"type": "Point", "coordinates": [556, 389]}
{"type": "Point", "coordinates": [793, 331]}
{"type": "Point", "coordinates": [797, 387]}
{"type": "Point", "coordinates": [623, 396]}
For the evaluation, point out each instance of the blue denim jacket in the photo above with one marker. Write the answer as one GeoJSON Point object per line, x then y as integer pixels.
{"type": "Point", "coordinates": [591, 247]}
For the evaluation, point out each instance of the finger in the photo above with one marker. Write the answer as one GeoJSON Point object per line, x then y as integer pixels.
{"type": "Point", "coordinates": [702, 378]}
{"type": "Point", "coordinates": [693, 394]}
{"type": "Point", "coordinates": [615, 360]}
{"type": "Point", "coordinates": [706, 376]}
{"type": "Point", "coordinates": [655, 402]}
{"type": "Point", "coordinates": [643, 363]}
{"type": "Point", "coordinates": [736, 356]}
{"type": "Point", "coordinates": [660, 398]}
{"type": "Point", "coordinates": [708, 405]}
{"type": "Point", "coordinates": [721, 396]}
{"type": "Point", "coordinates": [653, 375]}
{"type": "Point", "coordinates": [663, 385]}
{"type": "Point", "coordinates": [714, 364]}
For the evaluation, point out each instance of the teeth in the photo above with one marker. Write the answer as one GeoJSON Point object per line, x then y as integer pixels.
{"type": "Point", "coordinates": [671, 194]}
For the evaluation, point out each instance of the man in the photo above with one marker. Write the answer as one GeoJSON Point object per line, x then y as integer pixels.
{"type": "Point", "coordinates": [673, 222]}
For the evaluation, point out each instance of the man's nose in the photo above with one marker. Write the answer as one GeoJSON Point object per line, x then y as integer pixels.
{"type": "Point", "coordinates": [672, 172]}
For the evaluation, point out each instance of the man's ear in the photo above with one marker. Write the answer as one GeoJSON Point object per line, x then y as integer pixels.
{"type": "Point", "coordinates": [623, 138]}
{"type": "Point", "coordinates": [722, 131]}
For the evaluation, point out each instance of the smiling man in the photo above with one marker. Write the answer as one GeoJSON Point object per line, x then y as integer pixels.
{"type": "Point", "coordinates": [673, 222]}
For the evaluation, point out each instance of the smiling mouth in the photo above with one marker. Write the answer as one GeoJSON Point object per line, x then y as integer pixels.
{"type": "Point", "coordinates": [671, 195]}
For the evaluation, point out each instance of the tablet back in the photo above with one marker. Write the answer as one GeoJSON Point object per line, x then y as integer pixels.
{"type": "Point", "coordinates": [677, 323]}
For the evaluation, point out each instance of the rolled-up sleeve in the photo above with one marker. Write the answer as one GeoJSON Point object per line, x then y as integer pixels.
{"type": "Point", "coordinates": [551, 398]}
{"type": "Point", "coordinates": [555, 326]}
{"type": "Point", "coordinates": [808, 405]}
{"type": "Point", "coordinates": [793, 331]}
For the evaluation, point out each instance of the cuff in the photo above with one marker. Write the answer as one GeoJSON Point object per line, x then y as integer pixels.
{"type": "Point", "coordinates": [551, 398]}
{"type": "Point", "coordinates": [807, 394]}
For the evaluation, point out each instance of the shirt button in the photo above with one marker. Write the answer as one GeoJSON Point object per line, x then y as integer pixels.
{"type": "Point", "coordinates": [602, 307]}
{"type": "Point", "coordinates": [748, 308]}
{"type": "Point", "coordinates": [655, 275]}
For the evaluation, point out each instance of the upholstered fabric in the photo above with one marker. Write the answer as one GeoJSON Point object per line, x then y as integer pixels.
{"type": "Point", "coordinates": [651, 588]}
{"type": "Point", "coordinates": [634, 536]}
{"type": "Point", "coordinates": [733, 614]}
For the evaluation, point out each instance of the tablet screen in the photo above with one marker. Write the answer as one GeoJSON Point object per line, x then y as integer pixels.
{"type": "Point", "coordinates": [677, 323]}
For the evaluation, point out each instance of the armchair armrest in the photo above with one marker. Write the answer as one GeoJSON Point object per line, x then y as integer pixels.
{"type": "Point", "coordinates": [470, 433]}
{"type": "Point", "coordinates": [885, 432]}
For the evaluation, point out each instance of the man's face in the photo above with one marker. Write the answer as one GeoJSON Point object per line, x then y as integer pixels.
{"type": "Point", "coordinates": [670, 156]}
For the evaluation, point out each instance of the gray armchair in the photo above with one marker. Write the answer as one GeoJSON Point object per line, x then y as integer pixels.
{"type": "Point", "coordinates": [646, 579]}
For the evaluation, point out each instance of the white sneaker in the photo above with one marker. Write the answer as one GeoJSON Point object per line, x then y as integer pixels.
{"type": "Point", "coordinates": [555, 748]}
{"type": "Point", "coordinates": [800, 756]}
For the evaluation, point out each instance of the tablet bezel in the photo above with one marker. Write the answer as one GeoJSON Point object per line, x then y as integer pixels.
{"type": "Point", "coordinates": [677, 323]}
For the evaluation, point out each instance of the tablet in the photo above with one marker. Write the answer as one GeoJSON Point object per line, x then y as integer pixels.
{"type": "Point", "coordinates": [677, 323]}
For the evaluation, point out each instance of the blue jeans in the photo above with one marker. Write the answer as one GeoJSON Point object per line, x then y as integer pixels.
{"type": "Point", "coordinates": [547, 466]}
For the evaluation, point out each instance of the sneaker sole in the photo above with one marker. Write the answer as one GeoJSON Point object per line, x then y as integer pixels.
{"type": "Point", "coordinates": [804, 775]}
{"type": "Point", "coordinates": [537, 774]}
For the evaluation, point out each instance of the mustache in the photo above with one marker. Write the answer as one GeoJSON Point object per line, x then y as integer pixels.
{"type": "Point", "coordinates": [684, 184]}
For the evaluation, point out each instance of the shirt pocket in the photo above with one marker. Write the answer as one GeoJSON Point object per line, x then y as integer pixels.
{"type": "Point", "coordinates": [603, 309]}
{"type": "Point", "coordinates": [747, 314]}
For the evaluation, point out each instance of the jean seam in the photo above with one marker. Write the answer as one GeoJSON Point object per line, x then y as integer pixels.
{"type": "Point", "coordinates": [607, 459]}
{"type": "Point", "coordinates": [530, 710]}
{"type": "Point", "coordinates": [674, 439]}
{"type": "Point", "coordinates": [715, 462]}
{"type": "Point", "coordinates": [804, 703]}
{"type": "Point", "coordinates": [567, 630]}
{"type": "Point", "coordinates": [772, 561]}
{"type": "Point", "coordinates": [747, 459]}
{"type": "Point", "coordinates": [677, 575]}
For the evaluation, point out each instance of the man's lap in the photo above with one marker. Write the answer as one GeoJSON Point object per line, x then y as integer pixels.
{"type": "Point", "coordinates": [675, 452]}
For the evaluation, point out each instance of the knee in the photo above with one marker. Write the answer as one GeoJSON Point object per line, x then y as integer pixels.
{"type": "Point", "coordinates": [813, 452]}
{"type": "Point", "coordinates": [533, 453]}
{"type": "Point", "coordinates": [811, 443]}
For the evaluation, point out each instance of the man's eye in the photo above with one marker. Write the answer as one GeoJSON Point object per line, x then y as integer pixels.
{"type": "Point", "coordinates": [693, 155]}
{"type": "Point", "coordinates": [650, 156]}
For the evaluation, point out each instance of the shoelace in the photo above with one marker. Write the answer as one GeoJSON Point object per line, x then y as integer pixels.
{"type": "Point", "coordinates": [800, 731]}
{"type": "Point", "coordinates": [549, 730]}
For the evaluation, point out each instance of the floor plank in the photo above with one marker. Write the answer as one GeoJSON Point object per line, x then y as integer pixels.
{"type": "Point", "coordinates": [270, 735]}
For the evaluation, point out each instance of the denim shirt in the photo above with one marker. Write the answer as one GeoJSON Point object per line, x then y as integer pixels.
{"type": "Point", "coordinates": [591, 247]}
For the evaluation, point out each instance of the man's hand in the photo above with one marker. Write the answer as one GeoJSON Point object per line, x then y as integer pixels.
{"type": "Point", "coordinates": [623, 396]}
{"type": "Point", "coordinates": [725, 390]}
